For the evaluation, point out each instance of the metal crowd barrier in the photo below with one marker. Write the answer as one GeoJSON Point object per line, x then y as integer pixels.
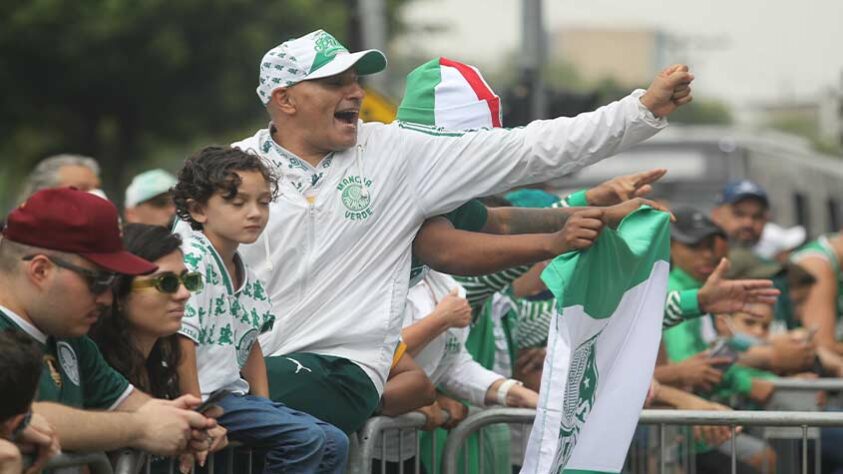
{"type": "Point", "coordinates": [362, 449]}
{"type": "Point", "coordinates": [130, 461]}
{"type": "Point", "coordinates": [361, 457]}
{"type": "Point", "coordinates": [98, 463]}
{"type": "Point", "coordinates": [808, 385]}
{"type": "Point", "coordinates": [660, 418]}
{"type": "Point", "coordinates": [364, 453]}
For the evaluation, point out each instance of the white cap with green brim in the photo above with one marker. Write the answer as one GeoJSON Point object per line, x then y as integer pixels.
{"type": "Point", "coordinates": [313, 56]}
{"type": "Point", "coordinates": [147, 185]}
{"type": "Point", "coordinates": [451, 95]}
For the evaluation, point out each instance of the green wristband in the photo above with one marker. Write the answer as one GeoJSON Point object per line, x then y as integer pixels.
{"type": "Point", "coordinates": [578, 199]}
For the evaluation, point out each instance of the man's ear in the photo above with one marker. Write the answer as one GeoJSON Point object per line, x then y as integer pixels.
{"type": "Point", "coordinates": [283, 100]}
{"type": "Point", "coordinates": [39, 270]}
{"type": "Point", "coordinates": [197, 211]}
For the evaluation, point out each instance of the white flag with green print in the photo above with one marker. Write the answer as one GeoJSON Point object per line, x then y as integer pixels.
{"type": "Point", "coordinates": [602, 348]}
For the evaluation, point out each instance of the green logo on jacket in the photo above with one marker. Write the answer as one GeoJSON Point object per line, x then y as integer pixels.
{"type": "Point", "coordinates": [355, 197]}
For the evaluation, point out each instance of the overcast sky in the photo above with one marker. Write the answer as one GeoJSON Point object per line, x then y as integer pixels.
{"type": "Point", "coordinates": [775, 49]}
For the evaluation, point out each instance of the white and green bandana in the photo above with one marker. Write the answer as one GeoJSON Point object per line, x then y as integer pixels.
{"type": "Point", "coordinates": [305, 177]}
{"type": "Point", "coordinates": [450, 95]}
{"type": "Point", "coordinates": [602, 348]}
{"type": "Point", "coordinates": [313, 56]}
{"type": "Point", "coordinates": [222, 320]}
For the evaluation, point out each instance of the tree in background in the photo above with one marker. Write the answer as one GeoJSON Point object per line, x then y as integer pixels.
{"type": "Point", "coordinates": [118, 79]}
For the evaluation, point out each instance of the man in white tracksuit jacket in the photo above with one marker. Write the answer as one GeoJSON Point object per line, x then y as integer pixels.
{"type": "Point", "coordinates": [336, 252]}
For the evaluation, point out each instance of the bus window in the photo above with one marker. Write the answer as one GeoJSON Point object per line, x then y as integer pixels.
{"type": "Point", "coordinates": [802, 211]}
{"type": "Point", "coordinates": [833, 207]}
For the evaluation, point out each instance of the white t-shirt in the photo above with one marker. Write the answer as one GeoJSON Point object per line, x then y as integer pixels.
{"type": "Point", "coordinates": [224, 322]}
{"type": "Point", "coordinates": [336, 254]}
{"type": "Point", "coordinates": [445, 359]}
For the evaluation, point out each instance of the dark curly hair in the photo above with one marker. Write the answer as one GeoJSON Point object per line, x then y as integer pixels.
{"type": "Point", "coordinates": [20, 370]}
{"type": "Point", "coordinates": [112, 333]}
{"type": "Point", "coordinates": [213, 169]}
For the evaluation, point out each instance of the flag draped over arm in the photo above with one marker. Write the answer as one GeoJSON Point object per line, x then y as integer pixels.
{"type": "Point", "coordinates": [602, 348]}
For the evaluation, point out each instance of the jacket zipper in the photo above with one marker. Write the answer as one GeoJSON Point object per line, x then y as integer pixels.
{"type": "Point", "coordinates": [309, 242]}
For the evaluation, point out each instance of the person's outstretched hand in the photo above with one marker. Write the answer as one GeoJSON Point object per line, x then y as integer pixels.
{"type": "Point", "coordinates": [624, 188]}
{"type": "Point", "coordinates": [719, 295]}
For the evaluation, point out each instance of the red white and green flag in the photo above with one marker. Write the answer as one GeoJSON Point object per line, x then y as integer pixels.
{"type": "Point", "coordinates": [602, 348]}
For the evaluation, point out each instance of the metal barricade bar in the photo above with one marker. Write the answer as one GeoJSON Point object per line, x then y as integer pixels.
{"type": "Point", "coordinates": [830, 384]}
{"type": "Point", "coordinates": [132, 461]}
{"type": "Point", "coordinates": [458, 435]}
{"type": "Point", "coordinates": [802, 419]}
{"type": "Point", "coordinates": [360, 460]}
{"type": "Point", "coordinates": [129, 461]}
{"type": "Point", "coordinates": [743, 418]}
{"type": "Point", "coordinates": [98, 462]}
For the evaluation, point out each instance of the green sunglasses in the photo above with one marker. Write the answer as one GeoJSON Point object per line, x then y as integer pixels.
{"type": "Point", "coordinates": [169, 282]}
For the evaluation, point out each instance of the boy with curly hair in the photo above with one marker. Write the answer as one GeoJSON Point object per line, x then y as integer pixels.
{"type": "Point", "coordinates": [224, 195]}
{"type": "Point", "coordinates": [20, 372]}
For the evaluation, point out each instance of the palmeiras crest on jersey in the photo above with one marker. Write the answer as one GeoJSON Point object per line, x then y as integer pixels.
{"type": "Point", "coordinates": [356, 197]}
{"type": "Point", "coordinates": [580, 390]}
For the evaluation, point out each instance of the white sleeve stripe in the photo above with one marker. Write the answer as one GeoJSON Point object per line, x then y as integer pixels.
{"type": "Point", "coordinates": [122, 397]}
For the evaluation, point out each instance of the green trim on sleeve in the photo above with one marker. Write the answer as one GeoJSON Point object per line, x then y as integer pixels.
{"type": "Point", "coordinates": [578, 199]}
{"type": "Point", "coordinates": [471, 216]}
{"type": "Point", "coordinates": [689, 303]}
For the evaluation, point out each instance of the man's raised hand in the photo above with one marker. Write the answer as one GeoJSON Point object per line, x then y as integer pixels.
{"type": "Point", "coordinates": [721, 296]}
{"type": "Point", "coordinates": [624, 188]}
{"type": "Point", "coordinates": [670, 90]}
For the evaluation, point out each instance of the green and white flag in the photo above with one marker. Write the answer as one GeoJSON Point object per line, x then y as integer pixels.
{"type": "Point", "coordinates": [602, 348]}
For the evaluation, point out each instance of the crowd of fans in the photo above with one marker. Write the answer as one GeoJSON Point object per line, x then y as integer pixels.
{"type": "Point", "coordinates": [281, 291]}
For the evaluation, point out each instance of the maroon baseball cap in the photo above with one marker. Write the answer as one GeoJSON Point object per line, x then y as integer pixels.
{"type": "Point", "coordinates": [69, 220]}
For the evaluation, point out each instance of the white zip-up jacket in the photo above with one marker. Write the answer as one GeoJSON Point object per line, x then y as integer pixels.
{"type": "Point", "coordinates": [337, 263]}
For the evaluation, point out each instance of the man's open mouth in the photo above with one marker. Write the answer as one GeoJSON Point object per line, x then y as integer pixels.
{"type": "Point", "coordinates": [347, 116]}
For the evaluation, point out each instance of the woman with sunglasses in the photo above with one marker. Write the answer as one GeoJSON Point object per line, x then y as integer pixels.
{"type": "Point", "coordinates": [138, 338]}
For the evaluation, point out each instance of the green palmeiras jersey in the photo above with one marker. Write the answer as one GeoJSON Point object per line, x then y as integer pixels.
{"type": "Point", "coordinates": [74, 372]}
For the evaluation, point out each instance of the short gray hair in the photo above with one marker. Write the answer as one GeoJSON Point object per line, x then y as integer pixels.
{"type": "Point", "coordinates": [11, 254]}
{"type": "Point", "coordinates": [46, 173]}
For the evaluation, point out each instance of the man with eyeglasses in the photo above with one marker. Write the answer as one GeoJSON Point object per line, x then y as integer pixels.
{"type": "Point", "coordinates": [59, 257]}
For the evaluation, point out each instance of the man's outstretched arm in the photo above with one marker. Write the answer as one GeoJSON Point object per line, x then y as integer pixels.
{"type": "Point", "coordinates": [446, 169]}
{"type": "Point", "coordinates": [446, 249]}
{"type": "Point", "coordinates": [519, 220]}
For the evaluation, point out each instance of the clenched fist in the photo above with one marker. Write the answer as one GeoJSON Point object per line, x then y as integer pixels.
{"type": "Point", "coordinates": [670, 90]}
{"type": "Point", "coordinates": [454, 310]}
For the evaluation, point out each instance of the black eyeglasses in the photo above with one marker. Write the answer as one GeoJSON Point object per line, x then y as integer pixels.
{"type": "Point", "coordinates": [169, 282]}
{"type": "Point", "coordinates": [98, 281]}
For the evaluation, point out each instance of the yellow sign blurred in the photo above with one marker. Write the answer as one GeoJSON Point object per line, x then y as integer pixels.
{"type": "Point", "coordinates": [377, 108]}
